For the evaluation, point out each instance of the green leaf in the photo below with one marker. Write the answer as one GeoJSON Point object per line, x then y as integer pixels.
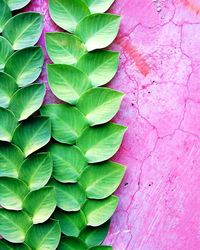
{"type": "Point", "coordinates": [99, 105]}
{"type": "Point", "coordinates": [102, 142]}
{"type": "Point", "coordinates": [67, 82]}
{"type": "Point", "coordinates": [68, 162]}
{"type": "Point", "coordinates": [33, 134]}
{"type": "Point", "coordinates": [101, 248]}
{"type": "Point", "coordinates": [100, 66]}
{"type": "Point", "coordinates": [67, 14]}
{"type": "Point", "coordinates": [5, 14]}
{"type": "Point", "coordinates": [5, 50]}
{"type": "Point", "coordinates": [71, 223]}
{"type": "Point", "coordinates": [71, 243]}
{"type": "Point", "coordinates": [44, 236]}
{"type": "Point", "coordinates": [12, 193]}
{"type": "Point", "coordinates": [8, 124]}
{"type": "Point", "coordinates": [97, 6]}
{"type": "Point", "coordinates": [11, 158]}
{"type": "Point", "coordinates": [70, 197]}
{"type": "Point", "coordinates": [25, 65]}
{"type": "Point", "coordinates": [27, 100]}
{"type": "Point", "coordinates": [93, 236]}
{"type": "Point", "coordinates": [5, 245]}
{"type": "Point", "coordinates": [36, 170]}
{"type": "Point", "coordinates": [17, 4]}
{"type": "Point", "coordinates": [98, 212]}
{"type": "Point", "coordinates": [14, 225]}
{"type": "Point", "coordinates": [23, 30]}
{"type": "Point", "coordinates": [67, 122]}
{"type": "Point", "coordinates": [101, 180]}
{"type": "Point", "coordinates": [40, 204]}
{"type": "Point", "coordinates": [7, 89]}
{"type": "Point", "coordinates": [98, 31]}
{"type": "Point", "coordinates": [64, 48]}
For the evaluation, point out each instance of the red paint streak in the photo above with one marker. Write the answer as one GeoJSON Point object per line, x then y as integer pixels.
{"type": "Point", "coordinates": [134, 54]}
{"type": "Point", "coordinates": [193, 7]}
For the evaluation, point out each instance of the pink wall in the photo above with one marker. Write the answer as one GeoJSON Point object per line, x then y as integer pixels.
{"type": "Point", "coordinates": [160, 74]}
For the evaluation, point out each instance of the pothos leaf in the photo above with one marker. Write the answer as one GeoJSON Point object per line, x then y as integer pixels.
{"type": "Point", "coordinates": [67, 14]}
{"type": "Point", "coordinates": [98, 31]}
{"type": "Point", "coordinates": [23, 30]}
{"type": "Point", "coordinates": [8, 124]}
{"type": "Point", "coordinates": [67, 82]}
{"type": "Point", "coordinates": [101, 180]}
{"type": "Point", "coordinates": [102, 142]}
{"type": "Point", "coordinates": [98, 212]}
{"type": "Point", "coordinates": [97, 6]}
{"type": "Point", "coordinates": [17, 4]}
{"type": "Point", "coordinates": [5, 51]}
{"type": "Point", "coordinates": [70, 197]}
{"type": "Point", "coordinates": [27, 100]}
{"type": "Point", "coordinates": [100, 66]}
{"type": "Point", "coordinates": [71, 243]}
{"type": "Point", "coordinates": [25, 65]}
{"type": "Point", "coordinates": [71, 223]}
{"type": "Point", "coordinates": [99, 105]}
{"type": "Point", "coordinates": [11, 158]}
{"type": "Point", "coordinates": [14, 225]}
{"type": "Point", "coordinates": [5, 245]}
{"type": "Point", "coordinates": [40, 204]}
{"type": "Point", "coordinates": [64, 48]}
{"type": "Point", "coordinates": [101, 248]}
{"type": "Point", "coordinates": [12, 193]}
{"type": "Point", "coordinates": [5, 14]}
{"type": "Point", "coordinates": [68, 162]}
{"type": "Point", "coordinates": [33, 134]}
{"type": "Point", "coordinates": [36, 170]}
{"type": "Point", "coordinates": [67, 122]}
{"type": "Point", "coordinates": [44, 236]}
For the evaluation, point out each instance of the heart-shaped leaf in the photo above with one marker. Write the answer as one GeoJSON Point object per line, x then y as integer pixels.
{"type": "Point", "coordinates": [70, 197]}
{"type": "Point", "coordinates": [44, 236]}
{"type": "Point", "coordinates": [36, 170]}
{"type": "Point", "coordinates": [17, 4]}
{"type": "Point", "coordinates": [64, 48]}
{"type": "Point", "coordinates": [25, 65]}
{"type": "Point", "coordinates": [71, 243]}
{"type": "Point", "coordinates": [14, 225]}
{"type": "Point", "coordinates": [102, 142]}
{"type": "Point", "coordinates": [68, 162]}
{"type": "Point", "coordinates": [98, 31]}
{"type": "Point", "coordinates": [11, 158]}
{"type": "Point", "coordinates": [67, 122]}
{"type": "Point", "coordinates": [100, 66]}
{"type": "Point", "coordinates": [67, 14]}
{"type": "Point", "coordinates": [23, 30]}
{"type": "Point", "coordinates": [32, 134]}
{"type": "Point", "coordinates": [5, 50]}
{"type": "Point", "coordinates": [67, 82]}
{"type": "Point", "coordinates": [97, 6]}
{"type": "Point", "coordinates": [93, 236]}
{"type": "Point", "coordinates": [99, 105]}
{"type": "Point", "coordinates": [40, 204]}
{"type": "Point", "coordinates": [12, 193]}
{"type": "Point", "coordinates": [71, 223]}
{"type": "Point", "coordinates": [27, 100]}
{"type": "Point", "coordinates": [5, 14]}
{"type": "Point", "coordinates": [8, 124]}
{"type": "Point", "coordinates": [101, 248]}
{"type": "Point", "coordinates": [101, 180]}
{"type": "Point", "coordinates": [98, 212]}
{"type": "Point", "coordinates": [5, 245]}
{"type": "Point", "coordinates": [7, 89]}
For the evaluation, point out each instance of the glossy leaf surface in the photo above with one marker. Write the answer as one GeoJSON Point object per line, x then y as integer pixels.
{"type": "Point", "coordinates": [17, 4]}
{"type": "Point", "coordinates": [5, 245]}
{"type": "Point", "coordinates": [5, 51]}
{"type": "Point", "coordinates": [5, 14]}
{"type": "Point", "coordinates": [97, 6]}
{"type": "Point", "coordinates": [71, 243]}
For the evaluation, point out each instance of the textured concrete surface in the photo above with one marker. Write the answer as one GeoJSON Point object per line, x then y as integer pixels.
{"type": "Point", "coordinates": [160, 74]}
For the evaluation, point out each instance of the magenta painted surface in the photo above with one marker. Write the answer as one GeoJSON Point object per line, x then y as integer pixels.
{"type": "Point", "coordinates": [160, 74]}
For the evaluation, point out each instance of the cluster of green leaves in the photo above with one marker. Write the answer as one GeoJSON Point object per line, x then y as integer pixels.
{"type": "Point", "coordinates": [27, 203]}
{"type": "Point", "coordinates": [83, 177]}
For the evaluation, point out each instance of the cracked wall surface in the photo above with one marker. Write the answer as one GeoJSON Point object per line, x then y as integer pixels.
{"type": "Point", "coordinates": [159, 72]}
